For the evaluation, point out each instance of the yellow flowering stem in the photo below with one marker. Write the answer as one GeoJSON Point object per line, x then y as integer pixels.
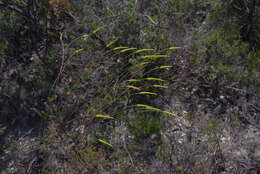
{"type": "Point", "coordinates": [159, 86]}
{"type": "Point", "coordinates": [133, 80]}
{"type": "Point", "coordinates": [98, 29]}
{"type": "Point", "coordinates": [153, 78]}
{"type": "Point", "coordinates": [174, 48]}
{"type": "Point", "coordinates": [119, 48]}
{"type": "Point", "coordinates": [154, 56]}
{"type": "Point", "coordinates": [169, 113]}
{"type": "Point", "coordinates": [153, 109]}
{"type": "Point", "coordinates": [111, 43]}
{"type": "Point", "coordinates": [78, 51]}
{"type": "Point", "coordinates": [142, 105]}
{"type": "Point", "coordinates": [85, 36]}
{"type": "Point", "coordinates": [165, 66]}
{"type": "Point", "coordinates": [104, 116]}
{"type": "Point", "coordinates": [142, 64]}
{"type": "Point", "coordinates": [133, 87]}
{"type": "Point", "coordinates": [93, 32]}
{"type": "Point", "coordinates": [104, 142]}
{"type": "Point", "coordinates": [148, 107]}
{"type": "Point", "coordinates": [147, 93]}
{"type": "Point", "coordinates": [127, 49]}
{"type": "Point", "coordinates": [151, 19]}
{"type": "Point", "coordinates": [142, 50]}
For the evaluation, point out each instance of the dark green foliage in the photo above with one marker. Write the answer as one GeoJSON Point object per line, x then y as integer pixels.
{"type": "Point", "coordinates": [23, 25]}
{"type": "Point", "coordinates": [247, 14]}
{"type": "Point", "coordinates": [229, 50]}
{"type": "Point", "coordinates": [145, 124]}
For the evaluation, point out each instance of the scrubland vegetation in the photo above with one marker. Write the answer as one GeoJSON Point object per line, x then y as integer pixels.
{"type": "Point", "coordinates": [130, 87]}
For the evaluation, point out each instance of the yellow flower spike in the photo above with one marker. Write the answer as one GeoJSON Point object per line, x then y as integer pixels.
{"type": "Point", "coordinates": [127, 49]}
{"type": "Point", "coordinates": [153, 78]}
{"type": "Point", "coordinates": [169, 113]}
{"type": "Point", "coordinates": [93, 32]}
{"type": "Point", "coordinates": [104, 116]}
{"type": "Point", "coordinates": [154, 56]}
{"type": "Point", "coordinates": [142, 105]}
{"type": "Point", "coordinates": [163, 67]}
{"type": "Point", "coordinates": [133, 87]}
{"type": "Point", "coordinates": [98, 29]}
{"type": "Point", "coordinates": [142, 64]}
{"type": "Point", "coordinates": [147, 93]}
{"type": "Point", "coordinates": [119, 48]}
{"type": "Point", "coordinates": [133, 80]}
{"type": "Point", "coordinates": [104, 142]}
{"type": "Point", "coordinates": [78, 51]}
{"type": "Point", "coordinates": [85, 35]}
{"type": "Point", "coordinates": [174, 48]}
{"type": "Point", "coordinates": [148, 107]}
{"type": "Point", "coordinates": [111, 43]}
{"type": "Point", "coordinates": [142, 50]}
{"type": "Point", "coordinates": [159, 86]}
{"type": "Point", "coordinates": [151, 19]}
{"type": "Point", "coordinates": [153, 108]}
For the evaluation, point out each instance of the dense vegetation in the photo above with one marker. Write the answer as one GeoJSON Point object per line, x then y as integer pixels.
{"type": "Point", "coordinates": [144, 86]}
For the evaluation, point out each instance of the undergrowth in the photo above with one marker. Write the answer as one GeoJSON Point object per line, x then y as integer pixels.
{"type": "Point", "coordinates": [136, 83]}
{"type": "Point", "coordinates": [96, 96]}
{"type": "Point", "coordinates": [125, 88]}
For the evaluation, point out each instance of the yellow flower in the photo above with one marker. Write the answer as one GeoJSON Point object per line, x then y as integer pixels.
{"type": "Point", "coordinates": [111, 43]}
{"type": "Point", "coordinates": [174, 48]}
{"type": "Point", "coordinates": [133, 80]}
{"type": "Point", "coordinates": [104, 116]}
{"type": "Point", "coordinates": [148, 93]}
{"type": "Point", "coordinates": [148, 107]}
{"type": "Point", "coordinates": [153, 78]}
{"type": "Point", "coordinates": [165, 66]}
{"type": "Point", "coordinates": [98, 29]}
{"type": "Point", "coordinates": [133, 87]}
{"type": "Point", "coordinates": [119, 48]}
{"type": "Point", "coordinates": [159, 86]}
{"type": "Point", "coordinates": [127, 49]}
{"type": "Point", "coordinates": [154, 56]}
{"type": "Point", "coordinates": [77, 51]}
{"type": "Point", "coordinates": [142, 50]}
{"type": "Point", "coordinates": [104, 142]}
{"type": "Point", "coordinates": [142, 64]}
{"type": "Point", "coordinates": [169, 113]}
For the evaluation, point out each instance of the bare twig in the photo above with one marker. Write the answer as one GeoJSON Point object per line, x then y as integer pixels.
{"type": "Point", "coordinates": [62, 67]}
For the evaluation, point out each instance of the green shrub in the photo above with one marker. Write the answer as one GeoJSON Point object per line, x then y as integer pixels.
{"type": "Point", "coordinates": [226, 56]}
{"type": "Point", "coordinates": [145, 124]}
